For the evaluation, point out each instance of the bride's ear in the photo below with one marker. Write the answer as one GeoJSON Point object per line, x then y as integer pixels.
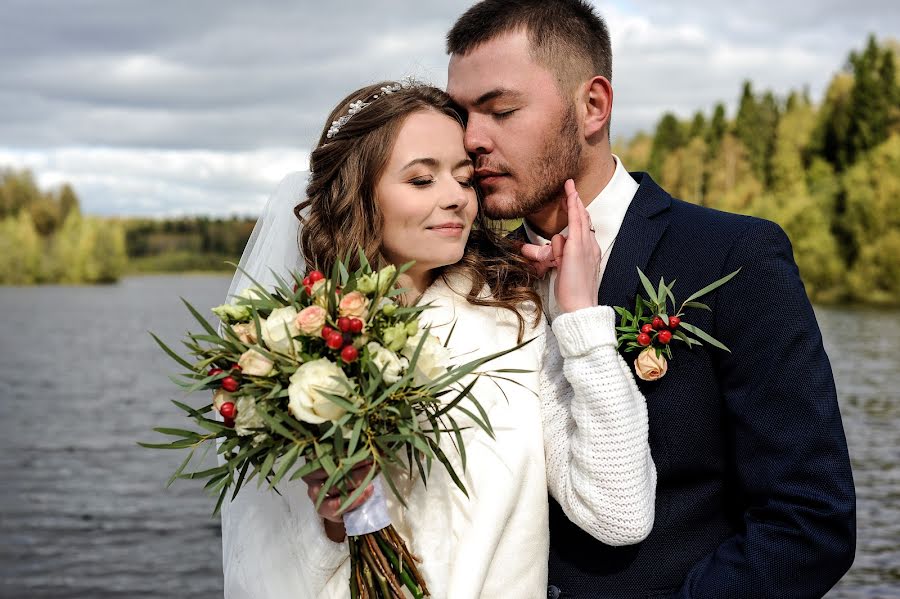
{"type": "Point", "coordinates": [597, 99]}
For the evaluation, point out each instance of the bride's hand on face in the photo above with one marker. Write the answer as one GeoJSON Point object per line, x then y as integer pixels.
{"type": "Point", "coordinates": [577, 257]}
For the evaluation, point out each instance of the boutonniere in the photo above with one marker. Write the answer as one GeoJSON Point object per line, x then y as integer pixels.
{"type": "Point", "coordinates": [652, 328]}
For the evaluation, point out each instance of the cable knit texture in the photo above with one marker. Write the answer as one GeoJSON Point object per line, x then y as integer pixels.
{"type": "Point", "coordinates": [495, 542]}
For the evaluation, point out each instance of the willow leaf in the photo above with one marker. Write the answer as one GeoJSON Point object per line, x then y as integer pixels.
{"type": "Point", "coordinates": [648, 286]}
{"type": "Point", "coordinates": [358, 491]}
{"type": "Point", "coordinates": [172, 354]}
{"type": "Point", "coordinates": [704, 336]}
{"type": "Point", "coordinates": [288, 461]}
{"type": "Point", "coordinates": [712, 286]}
{"type": "Point", "coordinates": [697, 305]}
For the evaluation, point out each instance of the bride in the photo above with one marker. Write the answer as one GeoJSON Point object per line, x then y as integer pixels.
{"type": "Point", "coordinates": [390, 174]}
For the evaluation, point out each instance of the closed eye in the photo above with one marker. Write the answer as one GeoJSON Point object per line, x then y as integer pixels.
{"type": "Point", "coordinates": [421, 182]}
{"type": "Point", "coordinates": [504, 115]}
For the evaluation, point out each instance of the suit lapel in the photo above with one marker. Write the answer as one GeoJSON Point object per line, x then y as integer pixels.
{"type": "Point", "coordinates": [643, 227]}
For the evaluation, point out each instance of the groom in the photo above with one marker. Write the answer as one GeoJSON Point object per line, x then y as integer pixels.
{"type": "Point", "coordinates": [755, 495]}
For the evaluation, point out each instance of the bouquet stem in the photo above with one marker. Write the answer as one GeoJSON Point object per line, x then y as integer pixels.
{"type": "Point", "coordinates": [381, 566]}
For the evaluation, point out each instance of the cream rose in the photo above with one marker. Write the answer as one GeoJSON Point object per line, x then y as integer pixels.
{"type": "Point", "coordinates": [390, 364]}
{"type": "Point", "coordinates": [254, 363]}
{"type": "Point", "coordinates": [432, 361]}
{"type": "Point", "coordinates": [354, 305]}
{"type": "Point", "coordinates": [247, 421]}
{"type": "Point", "coordinates": [246, 332]}
{"type": "Point", "coordinates": [307, 399]}
{"type": "Point", "coordinates": [279, 329]}
{"type": "Point", "coordinates": [311, 319]}
{"type": "Point", "coordinates": [649, 366]}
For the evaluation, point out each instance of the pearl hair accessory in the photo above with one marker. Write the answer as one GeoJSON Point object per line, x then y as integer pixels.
{"type": "Point", "coordinates": [359, 105]}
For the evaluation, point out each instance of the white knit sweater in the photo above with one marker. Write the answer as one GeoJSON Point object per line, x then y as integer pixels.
{"type": "Point", "coordinates": [594, 459]}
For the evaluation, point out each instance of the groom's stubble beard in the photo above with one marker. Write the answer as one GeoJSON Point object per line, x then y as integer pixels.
{"type": "Point", "coordinates": [559, 160]}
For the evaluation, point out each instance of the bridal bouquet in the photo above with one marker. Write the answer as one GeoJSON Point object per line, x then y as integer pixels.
{"type": "Point", "coordinates": [327, 373]}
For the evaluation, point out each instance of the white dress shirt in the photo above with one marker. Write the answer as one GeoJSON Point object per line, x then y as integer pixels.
{"type": "Point", "coordinates": [607, 211]}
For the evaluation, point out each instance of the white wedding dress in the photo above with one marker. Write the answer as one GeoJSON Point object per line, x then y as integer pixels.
{"type": "Point", "coordinates": [575, 425]}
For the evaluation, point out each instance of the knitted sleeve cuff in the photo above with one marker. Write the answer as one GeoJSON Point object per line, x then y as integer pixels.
{"type": "Point", "coordinates": [583, 330]}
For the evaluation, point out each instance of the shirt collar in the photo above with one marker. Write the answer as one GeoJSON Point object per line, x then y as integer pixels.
{"type": "Point", "coordinates": [607, 210]}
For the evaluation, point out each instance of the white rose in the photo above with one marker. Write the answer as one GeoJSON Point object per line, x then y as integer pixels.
{"type": "Point", "coordinates": [254, 363]}
{"type": "Point", "coordinates": [307, 399]}
{"type": "Point", "coordinates": [390, 364]}
{"type": "Point", "coordinates": [279, 329]}
{"type": "Point", "coordinates": [247, 419]}
{"type": "Point", "coordinates": [432, 361]}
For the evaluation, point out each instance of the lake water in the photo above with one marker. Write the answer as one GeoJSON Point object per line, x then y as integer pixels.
{"type": "Point", "coordinates": [83, 510]}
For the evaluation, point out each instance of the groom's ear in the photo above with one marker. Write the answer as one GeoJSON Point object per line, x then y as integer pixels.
{"type": "Point", "coordinates": [598, 100]}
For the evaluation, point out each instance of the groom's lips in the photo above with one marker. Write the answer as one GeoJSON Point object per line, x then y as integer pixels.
{"type": "Point", "coordinates": [486, 177]}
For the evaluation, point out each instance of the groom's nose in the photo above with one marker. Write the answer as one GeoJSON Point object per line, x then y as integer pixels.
{"type": "Point", "coordinates": [477, 140]}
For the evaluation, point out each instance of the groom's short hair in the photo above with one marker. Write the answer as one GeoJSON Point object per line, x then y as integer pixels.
{"type": "Point", "coordinates": [566, 36]}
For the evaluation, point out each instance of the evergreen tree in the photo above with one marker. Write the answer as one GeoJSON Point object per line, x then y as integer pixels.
{"type": "Point", "coordinates": [831, 140]}
{"type": "Point", "coordinates": [718, 126]}
{"type": "Point", "coordinates": [669, 137]}
{"type": "Point", "coordinates": [698, 126]}
{"type": "Point", "coordinates": [68, 201]}
{"type": "Point", "coordinates": [871, 99]}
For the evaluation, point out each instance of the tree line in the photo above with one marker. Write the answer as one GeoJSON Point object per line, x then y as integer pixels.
{"type": "Point", "coordinates": [44, 238]}
{"type": "Point", "coordinates": [828, 174]}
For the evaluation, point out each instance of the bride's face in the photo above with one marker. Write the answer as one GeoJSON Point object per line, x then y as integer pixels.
{"type": "Point", "coordinates": [426, 193]}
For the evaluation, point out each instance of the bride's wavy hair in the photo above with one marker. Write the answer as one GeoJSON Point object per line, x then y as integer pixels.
{"type": "Point", "coordinates": [341, 213]}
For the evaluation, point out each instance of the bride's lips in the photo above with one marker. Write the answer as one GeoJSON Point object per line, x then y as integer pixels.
{"type": "Point", "coordinates": [448, 229]}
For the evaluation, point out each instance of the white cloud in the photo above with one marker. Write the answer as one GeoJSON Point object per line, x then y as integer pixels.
{"type": "Point", "coordinates": [125, 181]}
{"type": "Point", "coordinates": [187, 107]}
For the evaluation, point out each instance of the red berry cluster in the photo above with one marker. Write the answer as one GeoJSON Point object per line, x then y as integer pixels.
{"type": "Point", "coordinates": [230, 383]}
{"type": "Point", "coordinates": [341, 339]}
{"type": "Point", "coordinates": [658, 330]}
{"type": "Point", "coordinates": [310, 280]}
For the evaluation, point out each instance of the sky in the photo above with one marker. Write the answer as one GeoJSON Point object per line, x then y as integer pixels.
{"type": "Point", "coordinates": [165, 107]}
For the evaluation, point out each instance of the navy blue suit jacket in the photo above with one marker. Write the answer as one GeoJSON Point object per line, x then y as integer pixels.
{"type": "Point", "coordinates": [755, 495]}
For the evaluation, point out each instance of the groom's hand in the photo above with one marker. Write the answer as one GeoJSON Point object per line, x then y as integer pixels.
{"type": "Point", "coordinates": [541, 257]}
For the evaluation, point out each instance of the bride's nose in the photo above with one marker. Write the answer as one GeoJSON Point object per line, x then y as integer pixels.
{"type": "Point", "coordinates": [455, 197]}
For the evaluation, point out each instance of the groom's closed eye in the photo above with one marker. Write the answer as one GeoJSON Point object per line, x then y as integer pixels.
{"type": "Point", "coordinates": [500, 115]}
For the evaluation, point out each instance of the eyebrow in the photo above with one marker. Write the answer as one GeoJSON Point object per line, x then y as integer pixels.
{"type": "Point", "coordinates": [494, 94]}
{"type": "Point", "coordinates": [434, 163]}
